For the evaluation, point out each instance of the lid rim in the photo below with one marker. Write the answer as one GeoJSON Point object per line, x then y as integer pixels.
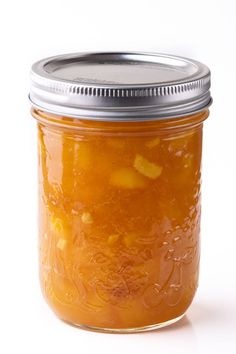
{"type": "Point", "coordinates": [52, 92]}
{"type": "Point", "coordinates": [130, 115]}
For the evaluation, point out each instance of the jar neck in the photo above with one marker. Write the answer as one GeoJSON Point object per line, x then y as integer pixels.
{"type": "Point", "coordinates": [163, 126]}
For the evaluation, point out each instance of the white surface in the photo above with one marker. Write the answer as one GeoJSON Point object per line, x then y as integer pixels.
{"type": "Point", "coordinates": [204, 30]}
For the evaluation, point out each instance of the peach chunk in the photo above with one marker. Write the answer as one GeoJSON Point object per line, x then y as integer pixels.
{"type": "Point", "coordinates": [147, 168]}
{"type": "Point", "coordinates": [152, 143]}
{"type": "Point", "coordinates": [127, 178]}
{"type": "Point", "coordinates": [61, 244]}
{"type": "Point", "coordinates": [87, 218]}
{"type": "Point", "coordinates": [112, 239]}
{"type": "Point", "coordinates": [56, 225]}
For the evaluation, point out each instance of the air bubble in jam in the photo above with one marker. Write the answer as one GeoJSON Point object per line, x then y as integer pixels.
{"type": "Point", "coordinates": [119, 245]}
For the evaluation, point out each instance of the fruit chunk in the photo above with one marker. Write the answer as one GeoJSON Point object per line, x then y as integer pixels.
{"type": "Point", "coordinates": [188, 160]}
{"type": "Point", "coordinates": [56, 225]}
{"type": "Point", "coordinates": [61, 244]}
{"type": "Point", "coordinates": [112, 239]}
{"type": "Point", "coordinates": [87, 218]}
{"type": "Point", "coordinates": [179, 144]}
{"type": "Point", "coordinates": [83, 155]}
{"type": "Point", "coordinates": [127, 178]}
{"type": "Point", "coordinates": [129, 239]}
{"type": "Point", "coordinates": [147, 168]}
{"type": "Point", "coordinates": [152, 143]}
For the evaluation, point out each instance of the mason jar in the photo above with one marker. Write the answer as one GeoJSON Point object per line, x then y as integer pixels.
{"type": "Point", "coordinates": [119, 145]}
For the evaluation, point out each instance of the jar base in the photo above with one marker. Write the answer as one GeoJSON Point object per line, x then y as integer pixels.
{"type": "Point", "coordinates": [127, 330]}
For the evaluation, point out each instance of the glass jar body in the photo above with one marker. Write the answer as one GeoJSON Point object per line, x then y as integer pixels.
{"type": "Point", "coordinates": [119, 219]}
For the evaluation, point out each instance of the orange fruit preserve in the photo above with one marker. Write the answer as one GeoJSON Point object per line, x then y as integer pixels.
{"type": "Point", "coordinates": [120, 144]}
{"type": "Point", "coordinates": [119, 219]}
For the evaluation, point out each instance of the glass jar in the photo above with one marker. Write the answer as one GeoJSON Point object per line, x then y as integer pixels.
{"type": "Point", "coordinates": [120, 142]}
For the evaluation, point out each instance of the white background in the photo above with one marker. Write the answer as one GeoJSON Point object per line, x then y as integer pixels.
{"type": "Point", "coordinates": [30, 30]}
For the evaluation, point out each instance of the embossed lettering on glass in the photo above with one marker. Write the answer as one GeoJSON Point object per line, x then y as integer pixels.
{"type": "Point", "coordinates": [120, 143]}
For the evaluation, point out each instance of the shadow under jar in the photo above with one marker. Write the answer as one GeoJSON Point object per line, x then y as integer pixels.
{"type": "Point", "coordinates": [120, 142]}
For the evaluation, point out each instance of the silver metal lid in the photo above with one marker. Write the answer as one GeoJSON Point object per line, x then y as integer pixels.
{"type": "Point", "coordinates": [120, 86]}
